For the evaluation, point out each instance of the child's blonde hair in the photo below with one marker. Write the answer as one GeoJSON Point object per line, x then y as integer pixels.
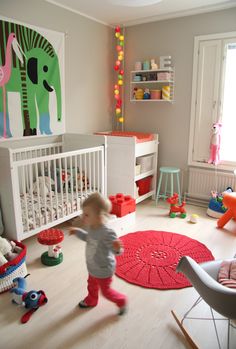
{"type": "Point", "coordinates": [98, 203]}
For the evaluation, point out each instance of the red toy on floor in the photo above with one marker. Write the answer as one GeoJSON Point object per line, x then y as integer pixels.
{"type": "Point", "coordinates": [122, 204]}
{"type": "Point", "coordinates": [174, 208]}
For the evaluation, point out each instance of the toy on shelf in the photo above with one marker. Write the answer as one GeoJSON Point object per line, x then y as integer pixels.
{"type": "Point", "coordinates": [31, 300]}
{"type": "Point", "coordinates": [215, 144]}
{"type": "Point", "coordinates": [122, 204]}
{"type": "Point", "coordinates": [138, 93]}
{"type": "Point", "coordinates": [146, 94]}
{"type": "Point", "coordinates": [51, 237]}
{"type": "Point", "coordinates": [165, 62]}
{"type": "Point", "coordinates": [216, 208]}
{"type": "Point", "coordinates": [175, 208]}
{"type": "Point", "coordinates": [154, 66]}
{"type": "Point", "coordinates": [229, 200]}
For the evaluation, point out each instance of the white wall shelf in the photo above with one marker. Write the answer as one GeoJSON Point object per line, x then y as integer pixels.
{"type": "Point", "coordinates": [152, 84]}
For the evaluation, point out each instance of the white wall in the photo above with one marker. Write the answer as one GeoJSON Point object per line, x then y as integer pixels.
{"type": "Point", "coordinates": [173, 37]}
{"type": "Point", "coordinates": [88, 68]}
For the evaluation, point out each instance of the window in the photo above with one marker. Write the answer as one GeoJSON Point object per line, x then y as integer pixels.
{"type": "Point", "coordinates": [228, 142]}
{"type": "Point", "coordinates": [213, 98]}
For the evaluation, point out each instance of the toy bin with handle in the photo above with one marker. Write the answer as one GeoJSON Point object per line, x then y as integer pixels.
{"type": "Point", "coordinates": [144, 185]}
{"type": "Point", "coordinates": [13, 269]}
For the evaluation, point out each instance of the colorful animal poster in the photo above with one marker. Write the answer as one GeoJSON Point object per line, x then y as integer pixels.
{"type": "Point", "coordinates": [31, 81]}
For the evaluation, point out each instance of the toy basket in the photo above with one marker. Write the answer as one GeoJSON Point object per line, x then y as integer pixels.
{"type": "Point", "coordinates": [13, 269]}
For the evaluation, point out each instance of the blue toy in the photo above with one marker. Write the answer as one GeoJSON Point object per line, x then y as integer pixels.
{"type": "Point", "coordinates": [31, 300]}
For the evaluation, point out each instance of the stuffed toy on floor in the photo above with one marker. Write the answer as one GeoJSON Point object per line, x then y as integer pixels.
{"type": "Point", "coordinates": [31, 300]}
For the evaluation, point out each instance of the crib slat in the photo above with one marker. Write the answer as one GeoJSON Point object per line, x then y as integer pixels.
{"type": "Point", "coordinates": [71, 184]}
{"type": "Point", "coordinates": [50, 190]}
{"type": "Point", "coordinates": [76, 184]}
{"type": "Point", "coordinates": [61, 187]}
{"type": "Point", "coordinates": [31, 194]}
{"type": "Point", "coordinates": [80, 176]}
{"type": "Point", "coordinates": [56, 187]}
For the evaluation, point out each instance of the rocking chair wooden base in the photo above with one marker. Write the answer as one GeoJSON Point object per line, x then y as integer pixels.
{"type": "Point", "coordinates": [184, 331]}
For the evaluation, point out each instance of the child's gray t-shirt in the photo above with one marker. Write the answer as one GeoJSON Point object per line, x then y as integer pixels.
{"type": "Point", "coordinates": [100, 257]}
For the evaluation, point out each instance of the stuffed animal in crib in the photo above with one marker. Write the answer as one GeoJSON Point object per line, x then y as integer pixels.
{"type": "Point", "coordinates": [43, 186]}
{"type": "Point", "coordinates": [7, 250]}
{"type": "Point", "coordinates": [31, 300]}
{"type": "Point", "coordinates": [215, 144]}
{"type": "Point", "coordinates": [82, 181]}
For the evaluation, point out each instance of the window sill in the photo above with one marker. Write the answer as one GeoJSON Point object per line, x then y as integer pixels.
{"type": "Point", "coordinates": [228, 167]}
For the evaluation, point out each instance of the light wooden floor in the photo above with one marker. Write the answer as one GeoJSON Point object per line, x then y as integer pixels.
{"type": "Point", "coordinates": [60, 324]}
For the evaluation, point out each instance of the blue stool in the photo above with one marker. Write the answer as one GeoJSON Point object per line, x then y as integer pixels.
{"type": "Point", "coordinates": [166, 171]}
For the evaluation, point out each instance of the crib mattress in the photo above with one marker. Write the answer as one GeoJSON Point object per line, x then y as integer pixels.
{"type": "Point", "coordinates": [37, 212]}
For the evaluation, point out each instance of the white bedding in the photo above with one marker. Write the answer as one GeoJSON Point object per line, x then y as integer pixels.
{"type": "Point", "coordinates": [36, 213]}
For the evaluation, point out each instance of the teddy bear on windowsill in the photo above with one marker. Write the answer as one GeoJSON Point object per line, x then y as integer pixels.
{"type": "Point", "coordinates": [215, 144]}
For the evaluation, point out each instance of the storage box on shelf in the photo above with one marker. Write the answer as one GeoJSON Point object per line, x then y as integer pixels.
{"type": "Point", "coordinates": [145, 162]}
{"type": "Point", "coordinates": [144, 185]}
{"type": "Point", "coordinates": [152, 85]}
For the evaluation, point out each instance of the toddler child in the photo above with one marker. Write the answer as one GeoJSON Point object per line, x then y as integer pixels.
{"type": "Point", "coordinates": [102, 245]}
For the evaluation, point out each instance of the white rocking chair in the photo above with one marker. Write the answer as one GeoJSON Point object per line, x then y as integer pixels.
{"type": "Point", "coordinates": [220, 298]}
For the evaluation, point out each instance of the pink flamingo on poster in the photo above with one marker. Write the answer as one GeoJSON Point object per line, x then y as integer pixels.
{"type": "Point", "coordinates": [5, 72]}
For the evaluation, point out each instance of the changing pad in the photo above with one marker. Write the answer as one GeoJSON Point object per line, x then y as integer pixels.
{"type": "Point", "coordinates": [140, 137]}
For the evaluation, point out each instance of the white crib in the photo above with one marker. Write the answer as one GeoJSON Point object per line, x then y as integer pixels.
{"type": "Point", "coordinates": [43, 184]}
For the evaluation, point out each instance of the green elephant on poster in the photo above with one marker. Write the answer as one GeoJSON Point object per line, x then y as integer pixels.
{"type": "Point", "coordinates": [34, 78]}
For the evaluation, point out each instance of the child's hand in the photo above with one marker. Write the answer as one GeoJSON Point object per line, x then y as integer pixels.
{"type": "Point", "coordinates": [117, 245]}
{"type": "Point", "coordinates": [78, 222]}
{"type": "Point", "coordinates": [72, 231]}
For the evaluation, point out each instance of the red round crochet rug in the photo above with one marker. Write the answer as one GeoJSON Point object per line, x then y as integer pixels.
{"type": "Point", "coordinates": [150, 258]}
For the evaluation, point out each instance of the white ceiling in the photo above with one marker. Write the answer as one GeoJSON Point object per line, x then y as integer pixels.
{"type": "Point", "coordinates": [109, 13]}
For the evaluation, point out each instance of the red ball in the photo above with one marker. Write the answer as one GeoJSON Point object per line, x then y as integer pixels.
{"type": "Point", "coordinates": [121, 72]}
{"type": "Point", "coordinates": [116, 67]}
{"type": "Point", "coordinates": [117, 29]}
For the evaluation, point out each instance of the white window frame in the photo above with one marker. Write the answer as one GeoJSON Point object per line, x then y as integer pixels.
{"type": "Point", "coordinates": [227, 166]}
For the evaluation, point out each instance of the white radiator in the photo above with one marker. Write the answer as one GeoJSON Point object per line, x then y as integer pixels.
{"type": "Point", "coordinates": [202, 182]}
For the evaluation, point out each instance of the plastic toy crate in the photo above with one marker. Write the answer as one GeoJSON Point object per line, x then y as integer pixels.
{"type": "Point", "coordinates": [13, 269]}
{"type": "Point", "coordinates": [144, 185]}
{"type": "Point", "coordinates": [122, 204]}
{"type": "Point", "coordinates": [146, 162]}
